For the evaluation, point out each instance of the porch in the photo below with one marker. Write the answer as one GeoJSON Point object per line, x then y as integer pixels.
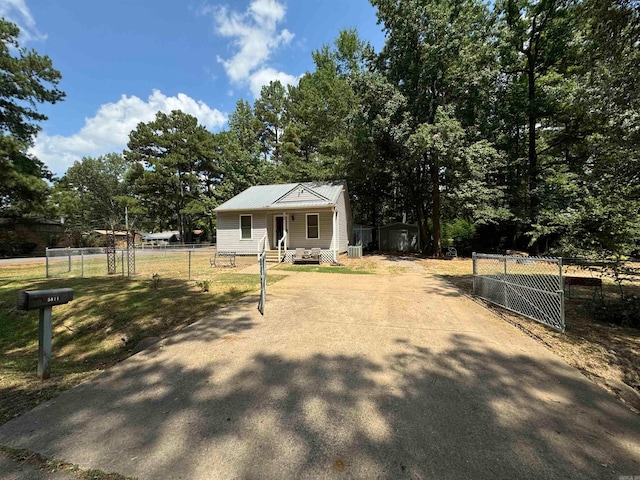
{"type": "Point", "coordinates": [286, 256]}
{"type": "Point", "coordinates": [289, 230]}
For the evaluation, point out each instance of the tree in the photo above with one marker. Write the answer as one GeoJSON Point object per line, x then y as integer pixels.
{"type": "Point", "coordinates": [537, 52]}
{"type": "Point", "coordinates": [27, 80]}
{"type": "Point", "coordinates": [602, 140]}
{"type": "Point", "coordinates": [93, 194]}
{"type": "Point", "coordinates": [270, 109]}
{"type": "Point", "coordinates": [437, 54]}
{"type": "Point", "coordinates": [173, 149]}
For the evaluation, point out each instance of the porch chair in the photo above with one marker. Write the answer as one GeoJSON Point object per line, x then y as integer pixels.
{"type": "Point", "coordinates": [299, 256]}
{"type": "Point", "coordinates": [315, 255]}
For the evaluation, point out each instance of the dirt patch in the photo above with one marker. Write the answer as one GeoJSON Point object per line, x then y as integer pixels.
{"type": "Point", "coordinates": [607, 354]}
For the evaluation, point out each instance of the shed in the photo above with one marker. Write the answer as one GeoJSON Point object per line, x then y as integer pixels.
{"type": "Point", "coordinates": [399, 237]}
{"type": "Point", "coordinates": [361, 235]}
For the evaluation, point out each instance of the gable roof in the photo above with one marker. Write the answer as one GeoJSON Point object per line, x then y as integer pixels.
{"type": "Point", "coordinates": [288, 195]}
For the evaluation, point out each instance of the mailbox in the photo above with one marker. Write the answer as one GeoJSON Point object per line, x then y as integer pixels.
{"type": "Point", "coordinates": [44, 300]}
{"type": "Point", "coordinates": [32, 299]}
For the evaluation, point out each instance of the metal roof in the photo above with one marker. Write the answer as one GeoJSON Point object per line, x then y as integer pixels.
{"type": "Point", "coordinates": [161, 235]}
{"type": "Point", "coordinates": [265, 197]}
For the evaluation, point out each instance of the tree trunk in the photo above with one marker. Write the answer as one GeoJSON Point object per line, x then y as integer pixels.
{"type": "Point", "coordinates": [424, 228]}
{"type": "Point", "coordinates": [532, 155]}
{"type": "Point", "coordinates": [435, 181]}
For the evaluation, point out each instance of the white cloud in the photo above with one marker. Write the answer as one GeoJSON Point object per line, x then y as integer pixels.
{"type": "Point", "coordinates": [16, 11]}
{"type": "Point", "coordinates": [255, 36]}
{"type": "Point", "coordinates": [108, 131]}
{"type": "Point", "coordinates": [265, 75]}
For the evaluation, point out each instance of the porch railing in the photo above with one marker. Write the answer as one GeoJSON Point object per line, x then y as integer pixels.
{"type": "Point", "coordinates": [280, 244]}
{"type": "Point", "coordinates": [262, 245]}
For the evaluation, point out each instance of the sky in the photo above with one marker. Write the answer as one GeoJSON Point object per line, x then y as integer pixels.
{"type": "Point", "coordinates": [122, 61]}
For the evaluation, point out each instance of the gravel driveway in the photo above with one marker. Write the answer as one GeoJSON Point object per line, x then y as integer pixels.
{"type": "Point", "coordinates": [346, 376]}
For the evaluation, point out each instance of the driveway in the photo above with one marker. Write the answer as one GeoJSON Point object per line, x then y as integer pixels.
{"type": "Point", "coordinates": [346, 376]}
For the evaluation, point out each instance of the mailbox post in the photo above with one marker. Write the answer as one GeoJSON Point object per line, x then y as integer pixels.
{"type": "Point", "coordinates": [44, 300]}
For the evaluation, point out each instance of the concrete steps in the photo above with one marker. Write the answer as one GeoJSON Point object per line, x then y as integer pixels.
{"type": "Point", "coordinates": [272, 256]}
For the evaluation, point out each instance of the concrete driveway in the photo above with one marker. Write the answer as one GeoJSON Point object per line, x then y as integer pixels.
{"type": "Point", "coordinates": [346, 376]}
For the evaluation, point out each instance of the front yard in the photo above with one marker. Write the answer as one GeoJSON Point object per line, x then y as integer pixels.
{"type": "Point", "coordinates": [108, 320]}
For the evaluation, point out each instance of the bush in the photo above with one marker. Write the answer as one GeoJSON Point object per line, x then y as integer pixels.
{"type": "Point", "coordinates": [625, 311]}
{"type": "Point", "coordinates": [460, 234]}
{"type": "Point", "coordinates": [204, 285]}
{"type": "Point", "coordinates": [13, 246]}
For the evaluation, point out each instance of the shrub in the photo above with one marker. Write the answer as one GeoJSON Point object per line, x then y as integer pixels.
{"type": "Point", "coordinates": [460, 234]}
{"type": "Point", "coordinates": [624, 311]}
{"type": "Point", "coordinates": [204, 285]}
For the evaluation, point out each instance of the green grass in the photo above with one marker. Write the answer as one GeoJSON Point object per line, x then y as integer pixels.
{"type": "Point", "coordinates": [321, 269]}
{"type": "Point", "coordinates": [88, 332]}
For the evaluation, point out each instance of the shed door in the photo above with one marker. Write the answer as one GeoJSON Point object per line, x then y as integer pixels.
{"type": "Point", "coordinates": [401, 240]}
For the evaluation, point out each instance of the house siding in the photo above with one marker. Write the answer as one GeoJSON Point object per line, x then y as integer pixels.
{"type": "Point", "coordinates": [228, 234]}
{"type": "Point", "coordinates": [343, 223]}
{"type": "Point", "coordinates": [300, 194]}
{"type": "Point", "coordinates": [298, 230]}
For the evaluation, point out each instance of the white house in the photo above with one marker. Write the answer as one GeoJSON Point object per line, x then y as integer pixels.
{"type": "Point", "coordinates": [281, 218]}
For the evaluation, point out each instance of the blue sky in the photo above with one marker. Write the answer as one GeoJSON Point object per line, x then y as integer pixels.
{"type": "Point", "coordinates": [122, 60]}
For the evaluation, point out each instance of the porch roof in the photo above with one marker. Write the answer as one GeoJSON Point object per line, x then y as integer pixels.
{"type": "Point", "coordinates": [276, 197]}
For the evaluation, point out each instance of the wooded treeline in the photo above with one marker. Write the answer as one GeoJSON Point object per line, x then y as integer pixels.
{"type": "Point", "coordinates": [512, 125]}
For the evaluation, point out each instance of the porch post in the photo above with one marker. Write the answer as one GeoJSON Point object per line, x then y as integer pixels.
{"type": "Point", "coordinates": [286, 232]}
{"type": "Point", "coordinates": [335, 238]}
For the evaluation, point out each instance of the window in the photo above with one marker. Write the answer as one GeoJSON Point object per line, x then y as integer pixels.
{"type": "Point", "coordinates": [245, 227]}
{"type": "Point", "coordinates": [313, 225]}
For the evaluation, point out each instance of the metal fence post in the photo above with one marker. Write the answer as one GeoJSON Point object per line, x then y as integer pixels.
{"type": "Point", "coordinates": [561, 295]}
{"type": "Point", "coordinates": [475, 271]}
{"type": "Point", "coordinates": [69, 252]}
{"type": "Point", "coordinates": [46, 262]}
{"type": "Point", "coordinates": [122, 261]}
{"type": "Point", "coordinates": [189, 278]}
{"type": "Point", "coordinates": [81, 264]}
{"type": "Point", "coordinates": [560, 281]}
{"type": "Point", "coordinates": [504, 283]}
{"type": "Point", "coordinates": [562, 319]}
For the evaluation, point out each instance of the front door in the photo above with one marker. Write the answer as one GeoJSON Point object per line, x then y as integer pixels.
{"type": "Point", "coordinates": [279, 230]}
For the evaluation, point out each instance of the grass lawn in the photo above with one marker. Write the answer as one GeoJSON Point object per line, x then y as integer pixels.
{"type": "Point", "coordinates": [361, 266]}
{"type": "Point", "coordinates": [608, 354]}
{"type": "Point", "coordinates": [323, 269]}
{"type": "Point", "coordinates": [108, 317]}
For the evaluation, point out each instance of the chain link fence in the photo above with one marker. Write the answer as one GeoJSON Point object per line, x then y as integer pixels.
{"type": "Point", "coordinates": [190, 262]}
{"type": "Point", "coordinates": [530, 286]}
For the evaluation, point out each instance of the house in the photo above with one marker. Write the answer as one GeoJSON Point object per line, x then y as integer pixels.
{"type": "Point", "coordinates": [281, 218]}
{"type": "Point", "coordinates": [161, 238]}
{"type": "Point", "coordinates": [120, 237]}
{"type": "Point", "coordinates": [31, 236]}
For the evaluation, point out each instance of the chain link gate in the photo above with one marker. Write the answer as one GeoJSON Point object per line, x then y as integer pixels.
{"type": "Point", "coordinates": [530, 286]}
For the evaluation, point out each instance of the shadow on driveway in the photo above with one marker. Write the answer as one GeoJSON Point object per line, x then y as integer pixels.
{"type": "Point", "coordinates": [320, 391]}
